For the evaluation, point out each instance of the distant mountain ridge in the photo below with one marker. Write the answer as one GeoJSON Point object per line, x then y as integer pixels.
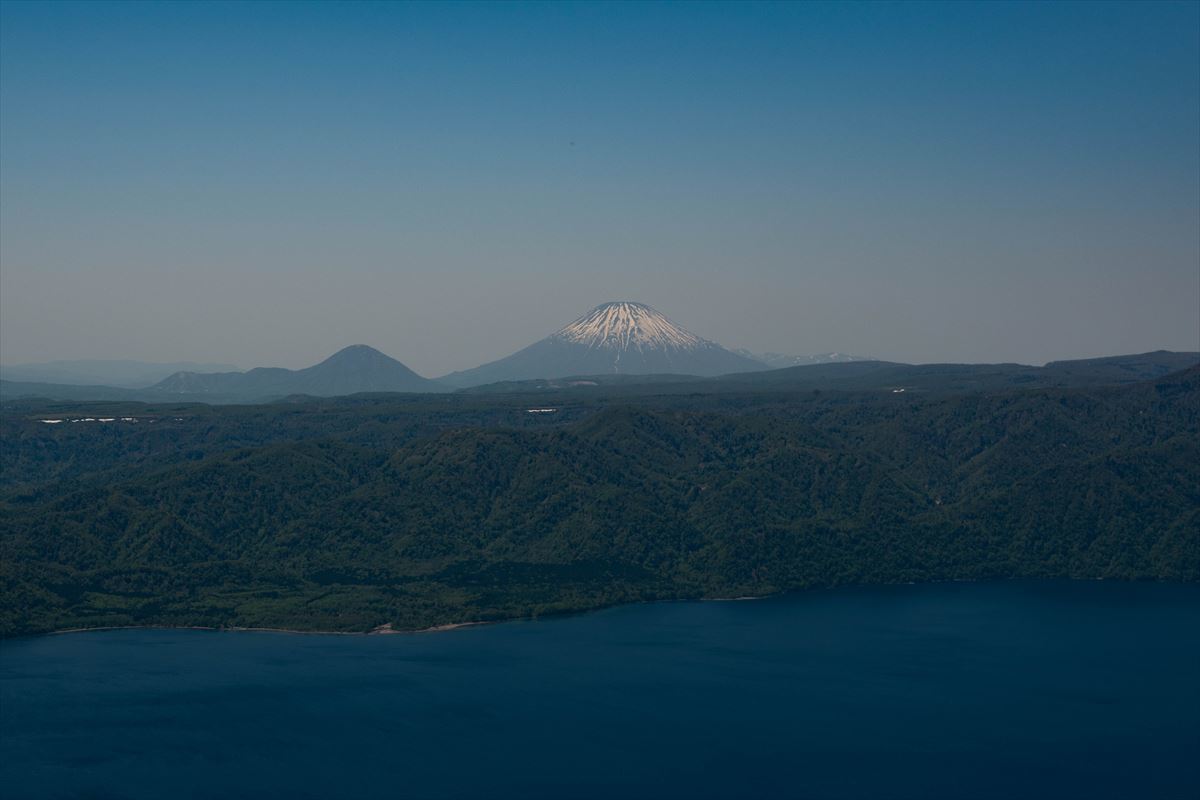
{"type": "Point", "coordinates": [874, 376]}
{"type": "Point", "coordinates": [782, 360]}
{"type": "Point", "coordinates": [268, 385]}
{"type": "Point", "coordinates": [958, 378]}
{"type": "Point", "coordinates": [354, 369]}
{"type": "Point", "coordinates": [620, 337]}
{"type": "Point", "coordinates": [118, 373]}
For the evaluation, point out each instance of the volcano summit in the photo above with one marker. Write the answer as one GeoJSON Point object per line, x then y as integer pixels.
{"type": "Point", "coordinates": [620, 337]}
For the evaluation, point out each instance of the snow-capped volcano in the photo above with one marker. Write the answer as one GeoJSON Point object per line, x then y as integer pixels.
{"type": "Point", "coordinates": [623, 325]}
{"type": "Point", "coordinates": [618, 337]}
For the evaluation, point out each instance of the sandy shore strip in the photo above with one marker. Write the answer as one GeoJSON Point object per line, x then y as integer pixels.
{"type": "Point", "coordinates": [387, 628]}
{"type": "Point", "coordinates": [382, 630]}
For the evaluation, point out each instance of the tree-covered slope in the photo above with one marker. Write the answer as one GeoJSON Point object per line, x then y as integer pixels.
{"type": "Point", "coordinates": [347, 517]}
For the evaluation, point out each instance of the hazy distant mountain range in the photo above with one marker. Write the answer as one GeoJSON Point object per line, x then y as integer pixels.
{"type": "Point", "coordinates": [621, 347]}
{"type": "Point", "coordinates": [868, 376]}
{"type": "Point", "coordinates": [116, 373]}
{"type": "Point", "coordinates": [781, 360]}
{"type": "Point", "coordinates": [614, 338]}
{"type": "Point", "coordinates": [353, 369]}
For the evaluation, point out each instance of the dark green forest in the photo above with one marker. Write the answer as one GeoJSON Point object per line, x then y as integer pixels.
{"type": "Point", "coordinates": [419, 510]}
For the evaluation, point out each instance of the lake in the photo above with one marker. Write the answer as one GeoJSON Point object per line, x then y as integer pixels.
{"type": "Point", "coordinates": [1007, 689]}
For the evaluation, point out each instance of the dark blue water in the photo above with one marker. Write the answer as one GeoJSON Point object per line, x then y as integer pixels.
{"type": "Point", "coordinates": [951, 690]}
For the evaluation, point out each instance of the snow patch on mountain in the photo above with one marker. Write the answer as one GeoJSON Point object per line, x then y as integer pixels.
{"type": "Point", "coordinates": [624, 338]}
{"type": "Point", "coordinates": [625, 325]}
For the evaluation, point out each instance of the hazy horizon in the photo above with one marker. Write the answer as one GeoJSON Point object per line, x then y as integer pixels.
{"type": "Point", "coordinates": [264, 184]}
{"type": "Point", "coordinates": [316, 359]}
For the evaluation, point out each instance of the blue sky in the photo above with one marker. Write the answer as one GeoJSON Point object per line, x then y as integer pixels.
{"type": "Point", "coordinates": [264, 183]}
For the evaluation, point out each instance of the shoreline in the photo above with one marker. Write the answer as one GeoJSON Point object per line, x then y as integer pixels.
{"type": "Point", "coordinates": [382, 630]}
{"type": "Point", "coordinates": [386, 628]}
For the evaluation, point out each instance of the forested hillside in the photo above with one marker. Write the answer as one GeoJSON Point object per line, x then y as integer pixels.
{"type": "Point", "coordinates": [347, 515]}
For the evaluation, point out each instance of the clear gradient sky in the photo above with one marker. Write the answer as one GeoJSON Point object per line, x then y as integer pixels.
{"type": "Point", "coordinates": [265, 183]}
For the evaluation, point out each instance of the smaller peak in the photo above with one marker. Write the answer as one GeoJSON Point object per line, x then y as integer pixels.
{"type": "Point", "coordinates": [355, 352]}
{"type": "Point", "coordinates": [358, 350]}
